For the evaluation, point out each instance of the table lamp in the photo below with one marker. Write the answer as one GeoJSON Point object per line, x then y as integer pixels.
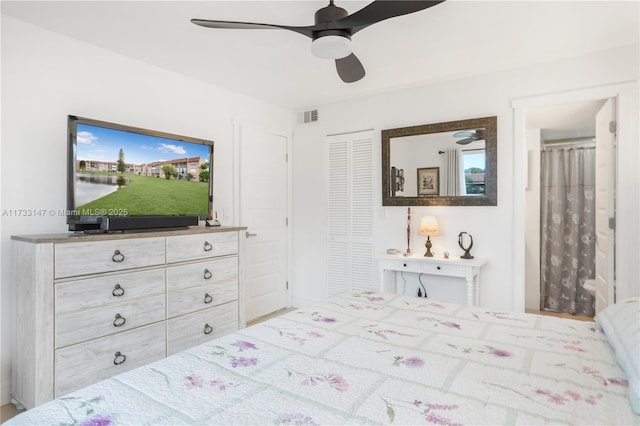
{"type": "Point", "coordinates": [428, 227]}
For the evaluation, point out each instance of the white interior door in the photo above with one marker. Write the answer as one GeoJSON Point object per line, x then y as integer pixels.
{"type": "Point", "coordinates": [263, 209]}
{"type": "Point", "coordinates": [605, 205]}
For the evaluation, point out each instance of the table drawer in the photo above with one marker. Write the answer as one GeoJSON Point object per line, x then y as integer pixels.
{"type": "Point", "coordinates": [402, 265]}
{"type": "Point", "coordinates": [114, 289]}
{"type": "Point", "coordinates": [441, 269]}
{"type": "Point", "coordinates": [201, 273]}
{"type": "Point", "coordinates": [201, 246]}
{"type": "Point", "coordinates": [84, 258]}
{"type": "Point", "coordinates": [91, 324]}
{"type": "Point", "coordinates": [81, 365]}
{"type": "Point", "coordinates": [196, 328]}
{"type": "Point", "coordinates": [201, 297]}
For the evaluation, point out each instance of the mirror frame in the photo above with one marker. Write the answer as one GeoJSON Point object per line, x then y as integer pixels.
{"type": "Point", "coordinates": [490, 198]}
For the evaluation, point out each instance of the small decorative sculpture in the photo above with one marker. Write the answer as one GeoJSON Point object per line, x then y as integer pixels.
{"type": "Point", "coordinates": [467, 250]}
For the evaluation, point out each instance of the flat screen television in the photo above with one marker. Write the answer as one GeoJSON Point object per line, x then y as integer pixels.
{"type": "Point", "coordinates": [122, 178]}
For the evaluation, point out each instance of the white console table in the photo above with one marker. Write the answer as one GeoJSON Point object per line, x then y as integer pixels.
{"type": "Point", "coordinates": [469, 269]}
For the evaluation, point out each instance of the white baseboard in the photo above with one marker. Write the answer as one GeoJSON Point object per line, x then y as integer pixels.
{"type": "Point", "coordinates": [5, 397]}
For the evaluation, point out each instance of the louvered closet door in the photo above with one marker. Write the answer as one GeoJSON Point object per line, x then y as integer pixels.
{"type": "Point", "coordinates": [350, 212]}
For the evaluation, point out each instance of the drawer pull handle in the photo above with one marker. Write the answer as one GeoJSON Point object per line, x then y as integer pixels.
{"type": "Point", "coordinates": [117, 291]}
{"type": "Point", "coordinates": [207, 246]}
{"type": "Point", "coordinates": [117, 256]}
{"type": "Point", "coordinates": [207, 274]}
{"type": "Point", "coordinates": [207, 329]}
{"type": "Point", "coordinates": [119, 321]}
{"type": "Point", "coordinates": [119, 359]}
{"type": "Point", "coordinates": [207, 298]}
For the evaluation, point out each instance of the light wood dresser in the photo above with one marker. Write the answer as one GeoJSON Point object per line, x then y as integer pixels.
{"type": "Point", "coordinates": [92, 306]}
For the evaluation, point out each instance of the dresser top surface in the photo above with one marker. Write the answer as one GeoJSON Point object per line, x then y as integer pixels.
{"type": "Point", "coordinates": [72, 237]}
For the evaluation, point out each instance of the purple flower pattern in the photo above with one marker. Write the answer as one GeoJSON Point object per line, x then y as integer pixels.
{"type": "Point", "coordinates": [300, 338]}
{"type": "Point", "coordinates": [383, 333]}
{"type": "Point", "coordinates": [498, 353]}
{"type": "Point", "coordinates": [411, 362]}
{"type": "Point", "coordinates": [193, 382]}
{"type": "Point", "coordinates": [597, 376]}
{"type": "Point", "coordinates": [295, 419]}
{"type": "Point", "coordinates": [238, 361]}
{"type": "Point", "coordinates": [97, 421]}
{"type": "Point", "coordinates": [438, 322]}
{"type": "Point", "coordinates": [426, 409]}
{"type": "Point", "coordinates": [318, 317]}
{"type": "Point", "coordinates": [561, 398]}
{"type": "Point", "coordinates": [334, 381]}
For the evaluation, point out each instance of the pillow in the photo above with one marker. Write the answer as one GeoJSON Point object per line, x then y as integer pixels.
{"type": "Point", "coordinates": [621, 325]}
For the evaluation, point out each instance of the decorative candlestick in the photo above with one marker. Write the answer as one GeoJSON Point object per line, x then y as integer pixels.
{"type": "Point", "coordinates": [408, 231]}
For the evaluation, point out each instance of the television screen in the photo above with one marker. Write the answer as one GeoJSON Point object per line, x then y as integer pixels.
{"type": "Point", "coordinates": [118, 171]}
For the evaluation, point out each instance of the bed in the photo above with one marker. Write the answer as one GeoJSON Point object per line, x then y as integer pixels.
{"type": "Point", "coordinates": [376, 358]}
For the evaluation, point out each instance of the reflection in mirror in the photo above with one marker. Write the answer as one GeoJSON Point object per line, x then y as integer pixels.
{"type": "Point", "coordinates": [442, 166]}
{"type": "Point", "coordinates": [451, 163]}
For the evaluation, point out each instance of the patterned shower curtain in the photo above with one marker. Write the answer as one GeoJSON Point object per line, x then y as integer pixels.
{"type": "Point", "coordinates": [567, 225]}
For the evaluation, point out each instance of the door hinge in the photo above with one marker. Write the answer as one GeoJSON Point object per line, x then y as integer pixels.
{"type": "Point", "coordinates": [612, 223]}
{"type": "Point", "coordinates": [286, 221]}
{"type": "Point", "coordinates": [612, 127]}
{"type": "Point", "coordinates": [287, 285]}
{"type": "Point", "coordinates": [286, 158]}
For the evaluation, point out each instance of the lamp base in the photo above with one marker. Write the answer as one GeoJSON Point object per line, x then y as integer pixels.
{"type": "Point", "coordinates": [428, 246]}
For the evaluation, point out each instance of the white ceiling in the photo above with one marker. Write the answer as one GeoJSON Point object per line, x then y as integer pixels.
{"type": "Point", "coordinates": [451, 40]}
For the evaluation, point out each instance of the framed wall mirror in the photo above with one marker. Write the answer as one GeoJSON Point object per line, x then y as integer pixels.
{"type": "Point", "coordinates": [441, 164]}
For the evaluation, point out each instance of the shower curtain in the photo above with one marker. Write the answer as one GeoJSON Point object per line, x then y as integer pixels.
{"type": "Point", "coordinates": [567, 225]}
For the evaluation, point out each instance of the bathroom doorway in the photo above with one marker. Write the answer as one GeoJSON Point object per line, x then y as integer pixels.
{"type": "Point", "coordinates": [561, 207]}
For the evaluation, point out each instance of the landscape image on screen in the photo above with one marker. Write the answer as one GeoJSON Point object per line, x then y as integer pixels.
{"type": "Point", "coordinates": [125, 173]}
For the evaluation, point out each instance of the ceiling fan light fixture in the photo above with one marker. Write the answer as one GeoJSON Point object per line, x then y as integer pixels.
{"type": "Point", "coordinates": [331, 47]}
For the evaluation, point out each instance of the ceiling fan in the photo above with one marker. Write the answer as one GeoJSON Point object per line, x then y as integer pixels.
{"type": "Point", "coordinates": [333, 28]}
{"type": "Point", "coordinates": [469, 136]}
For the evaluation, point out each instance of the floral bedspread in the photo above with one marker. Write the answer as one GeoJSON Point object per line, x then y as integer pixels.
{"type": "Point", "coordinates": [370, 358]}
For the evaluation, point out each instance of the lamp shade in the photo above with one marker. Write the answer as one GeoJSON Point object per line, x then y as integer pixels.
{"type": "Point", "coordinates": [428, 226]}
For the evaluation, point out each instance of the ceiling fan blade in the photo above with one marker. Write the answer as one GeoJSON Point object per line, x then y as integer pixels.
{"type": "Point", "coordinates": [464, 134]}
{"type": "Point", "coordinates": [307, 31]}
{"type": "Point", "coordinates": [350, 68]}
{"type": "Point", "coordinates": [466, 141]}
{"type": "Point", "coordinates": [379, 11]}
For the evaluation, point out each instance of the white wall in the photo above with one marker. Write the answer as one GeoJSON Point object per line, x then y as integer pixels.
{"type": "Point", "coordinates": [491, 227]}
{"type": "Point", "coordinates": [532, 222]}
{"type": "Point", "coordinates": [45, 77]}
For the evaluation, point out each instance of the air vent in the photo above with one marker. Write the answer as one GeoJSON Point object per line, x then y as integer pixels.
{"type": "Point", "coordinates": [308, 116]}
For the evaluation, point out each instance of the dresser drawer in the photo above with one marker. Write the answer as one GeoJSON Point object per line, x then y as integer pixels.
{"type": "Point", "coordinates": [196, 328]}
{"type": "Point", "coordinates": [80, 365]}
{"type": "Point", "coordinates": [201, 246]}
{"type": "Point", "coordinates": [84, 258]}
{"type": "Point", "coordinates": [97, 292]}
{"type": "Point", "coordinates": [90, 324]}
{"type": "Point", "coordinates": [201, 297]}
{"type": "Point", "coordinates": [201, 273]}
{"type": "Point", "coordinates": [440, 269]}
